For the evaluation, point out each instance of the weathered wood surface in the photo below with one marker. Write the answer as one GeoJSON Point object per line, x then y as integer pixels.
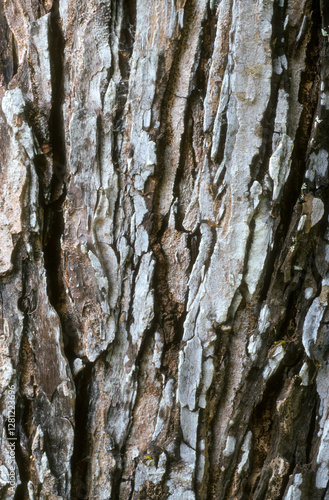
{"type": "Point", "coordinates": [164, 256]}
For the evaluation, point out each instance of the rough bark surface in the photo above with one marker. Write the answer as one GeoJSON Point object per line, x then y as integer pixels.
{"type": "Point", "coordinates": [164, 257]}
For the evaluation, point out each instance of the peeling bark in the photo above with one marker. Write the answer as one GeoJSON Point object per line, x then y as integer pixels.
{"type": "Point", "coordinates": [164, 254]}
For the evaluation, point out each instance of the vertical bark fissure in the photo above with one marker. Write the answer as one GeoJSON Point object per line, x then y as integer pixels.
{"type": "Point", "coordinates": [216, 393]}
{"type": "Point", "coordinates": [8, 52]}
{"type": "Point", "coordinates": [308, 92]}
{"type": "Point", "coordinates": [311, 450]}
{"type": "Point", "coordinates": [23, 404]}
{"type": "Point", "coordinates": [260, 163]}
{"type": "Point", "coordinates": [262, 429]}
{"type": "Point", "coordinates": [82, 442]}
{"type": "Point", "coordinates": [165, 132]}
{"type": "Point", "coordinates": [194, 104]}
{"type": "Point", "coordinates": [52, 197]}
{"type": "Point", "coordinates": [125, 49]}
{"type": "Point", "coordinates": [53, 225]}
{"type": "Point", "coordinates": [27, 303]}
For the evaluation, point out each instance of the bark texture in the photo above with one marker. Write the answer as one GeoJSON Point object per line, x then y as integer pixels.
{"type": "Point", "coordinates": [164, 257]}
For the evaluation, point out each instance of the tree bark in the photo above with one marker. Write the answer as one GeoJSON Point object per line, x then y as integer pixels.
{"type": "Point", "coordinates": [164, 259]}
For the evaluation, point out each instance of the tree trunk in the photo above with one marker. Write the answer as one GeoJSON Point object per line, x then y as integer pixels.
{"type": "Point", "coordinates": [164, 259]}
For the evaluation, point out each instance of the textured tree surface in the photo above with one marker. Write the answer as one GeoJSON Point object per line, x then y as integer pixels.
{"type": "Point", "coordinates": [164, 249]}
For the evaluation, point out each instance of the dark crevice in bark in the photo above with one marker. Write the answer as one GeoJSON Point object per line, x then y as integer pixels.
{"type": "Point", "coordinates": [215, 397]}
{"type": "Point", "coordinates": [99, 147]}
{"type": "Point", "coordinates": [284, 329]}
{"type": "Point", "coordinates": [312, 443]}
{"type": "Point", "coordinates": [243, 410]}
{"type": "Point", "coordinates": [310, 452]}
{"type": "Point", "coordinates": [80, 461]}
{"type": "Point", "coordinates": [185, 146]}
{"type": "Point", "coordinates": [169, 95]}
{"type": "Point", "coordinates": [27, 303]}
{"type": "Point", "coordinates": [260, 163]}
{"type": "Point", "coordinates": [53, 215]}
{"type": "Point", "coordinates": [267, 422]}
{"type": "Point", "coordinates": [219, 157]}
{"type": "Point", "coordinates": [126, 44]}
{"type": "Point", "coordinates": [167, 313]}
{"type": "Point", "coordinates": [309, 90]}
{"type": "Point", "coordinates": [288, 474]}
{"type": "Point", "coordinates": [53, 223]}
{"type": "Point", "coordinates": [15, 55]}
{"type": "Point", "coordinates": [193, 243]}
{"type": "Point", "coordinates": [19, 493]}
{"type": "Point", "coordinates": [261, 425]}
{"type": "Point", "coordinates": [116, 479]}
{"type": "Point", "coordinates": [207, 47]}
{"type": "Point", "coordinates": [194, 107]}
{"type": "Point", "coordinates": [127, 37]}
{"type": "Point", "coordinates": [222, 137]}
{"type": "Point", "coordinates": [8, 49]}
{"type": "Point", "coordinates": [308, 96]}
{"type": "Point", "coordinates": [21, 451]}
{"type": "Point", "coordinates": [56, 125]}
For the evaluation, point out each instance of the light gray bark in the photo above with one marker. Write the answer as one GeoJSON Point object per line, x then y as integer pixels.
{"type": "Point", "coordinates": [164, 257]}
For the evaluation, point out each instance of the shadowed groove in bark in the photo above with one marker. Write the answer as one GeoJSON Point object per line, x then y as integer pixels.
{"type": "Point", "coordinates": [126, 45]}
{"type": "Point", "coordinates": [169, 96]}
{"type": "Point", "coordinates": [308, 96]}
{"type": "Point", "coordinates": [194, 241]}
{"type": "Point", "coordinates": [53, 215]}
{"type": "Point", "coordinates": [223, 119]}
{"type": "Point", "coordinates": [53, 220]}
{"type": "Point", "coordinates": [207, 48]}
{"type": "Point", "coordinates": [292, 188]}
{"type": "Point", "coordinates": [260, 162]}
{"type": "Point", "coordinates": [22, 418]}
{"type": "Point", "coordinates": [8, 49]}
{"type": "Point", "coordinates": [194, 107]}
{"type": "Point", "coordinates": [216, 392]}
{"type": "Point", "coordinates": [267, 422]}
{"type": "Point", "coordinates": [24, 405]}
{"type": "Point", "coordinates": [262, 428]}
{"type": "Point", "coordinates": [80, 458]}
{"type": "Point", "coordinates": [311, 449]}
{"type": "Point", "coordinates": [216, 396]}
{"type": "Point", "coordinates": [167, 313]}
{"type": "Point", "coordinates": [186, 143]}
